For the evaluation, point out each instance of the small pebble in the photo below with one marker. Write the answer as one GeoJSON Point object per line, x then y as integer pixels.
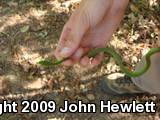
{"type": "Point", "coordinates": [91, 97]}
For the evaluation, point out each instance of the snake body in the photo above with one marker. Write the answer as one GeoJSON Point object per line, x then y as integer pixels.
{"type": "Point", "coordinates": [119, 60]}
{"type": "Point", "coordinates": [111, 52]}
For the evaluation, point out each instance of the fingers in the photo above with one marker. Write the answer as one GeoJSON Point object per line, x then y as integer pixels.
{"type": "Point", "coordinates": [78, 54]}
{"type": "Point", "coordinates": [86, 61]}
{"type": "Point", "coordinates": [65, 32]}
{"type": "Point", "coordinates": [97, 60]}
{"type": "Point", "coordinates": [71, 36]}
{"type": "Point", "coordinates": [61, 42]}
{"type": "Point", "coordinates": [76, 57]}
{"type": "Point", "coordinates": [68, 63]}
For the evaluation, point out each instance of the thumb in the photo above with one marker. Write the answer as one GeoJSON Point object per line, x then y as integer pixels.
{"type": "Point", "coordinates": [77, 30]}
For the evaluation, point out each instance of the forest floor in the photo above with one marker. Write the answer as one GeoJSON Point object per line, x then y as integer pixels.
{"type": "Point", "coordinates": [29, 32]}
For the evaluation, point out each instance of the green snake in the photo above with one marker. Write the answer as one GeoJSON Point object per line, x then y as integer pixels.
{"type": "Point", "coordinates": [112, 53]}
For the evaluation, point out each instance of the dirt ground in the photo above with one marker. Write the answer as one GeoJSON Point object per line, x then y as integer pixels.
{"type": "Point", "coordinates": [29, 32]}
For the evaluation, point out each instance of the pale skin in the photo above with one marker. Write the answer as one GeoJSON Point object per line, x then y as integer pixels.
{"type": "Point", "coordinates": [90, 26]}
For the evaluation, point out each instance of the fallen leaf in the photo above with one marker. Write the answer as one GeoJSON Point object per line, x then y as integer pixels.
{"type": "Point", "coordinates": [24, 29]}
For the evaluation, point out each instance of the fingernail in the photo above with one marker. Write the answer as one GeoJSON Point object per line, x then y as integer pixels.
{"type": "Point", "coordinates": [64, 51]}
{"type": "Point", "coordinates": [78, 54]}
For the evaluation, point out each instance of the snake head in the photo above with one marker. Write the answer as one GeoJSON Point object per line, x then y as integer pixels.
{"type": "Point", "coordinates": [93, 52]}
